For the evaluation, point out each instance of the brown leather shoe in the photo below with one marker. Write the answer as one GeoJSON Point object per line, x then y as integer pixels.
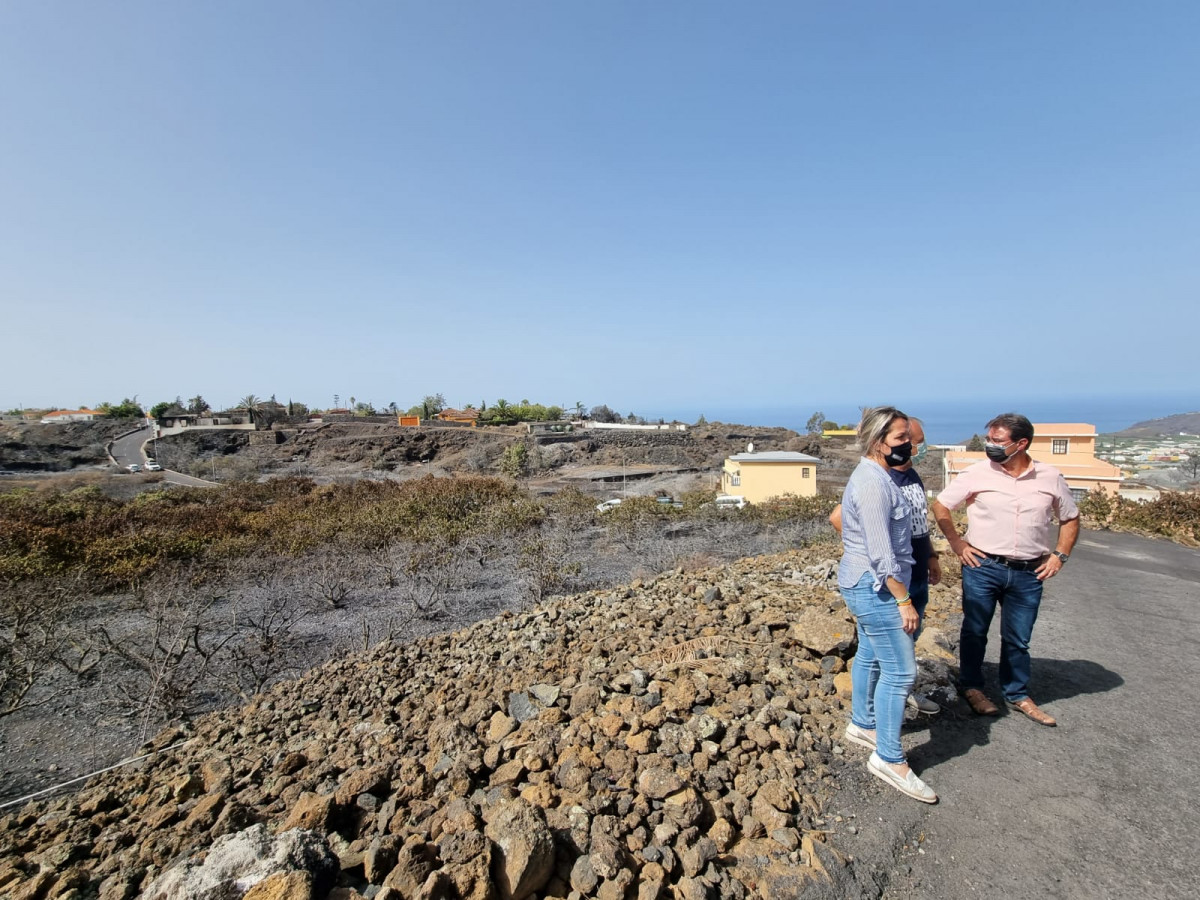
{"type": "Point", "coordinates": [1030, 710]}
{"type": "Point", "coordinates": [979, 703]}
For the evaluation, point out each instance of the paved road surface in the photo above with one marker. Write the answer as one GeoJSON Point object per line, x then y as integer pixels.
{"type": "Point", "coordinates": [1105, 805]}
{"type": "Point", "coordinates": [128, 449]}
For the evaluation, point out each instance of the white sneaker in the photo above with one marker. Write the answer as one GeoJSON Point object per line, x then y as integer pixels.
{"type": "Point", "coordinates": [908, 784]}
{"type": "Point", "coordinates": [860, 736]}
{"type": "Point", "coordinates": [922, 704]}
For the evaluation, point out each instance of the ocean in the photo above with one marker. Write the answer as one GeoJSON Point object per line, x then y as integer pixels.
{"type": "Point", "coordinates": [953, 422]}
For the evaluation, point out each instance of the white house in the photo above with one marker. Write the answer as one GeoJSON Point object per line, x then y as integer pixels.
{"type": "Point", "coordinates": [63, 416]}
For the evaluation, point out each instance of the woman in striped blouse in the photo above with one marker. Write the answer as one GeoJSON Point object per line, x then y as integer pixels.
{"type": "Point", "coordinates": [874, 575]}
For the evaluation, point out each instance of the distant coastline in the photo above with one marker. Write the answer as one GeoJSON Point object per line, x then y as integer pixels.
{"type": "Point", "coordinates": [955, 422]}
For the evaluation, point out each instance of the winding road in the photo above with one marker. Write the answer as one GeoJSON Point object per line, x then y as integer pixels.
{"type": "Point", "coordinates": [1105, 805]}
{"type": "Point", "coordinates": [127, 450]}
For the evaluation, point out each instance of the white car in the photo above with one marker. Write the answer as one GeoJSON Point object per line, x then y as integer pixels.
{"type": "Point", "coordinates": [152, 466]}
{"type": "Point", "coordinates": [729, 501]}
{"type": "Point", "coordinates": [608, 504]}
{"type": "Point", "coordinates": [134, 467]}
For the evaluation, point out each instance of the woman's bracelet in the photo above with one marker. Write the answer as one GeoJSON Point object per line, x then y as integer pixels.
{"type": "Point", "coordinates": [906, 600]}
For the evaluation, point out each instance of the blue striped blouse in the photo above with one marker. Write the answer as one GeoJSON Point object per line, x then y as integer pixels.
{"type": "Point", "coordinates": [876, 528]}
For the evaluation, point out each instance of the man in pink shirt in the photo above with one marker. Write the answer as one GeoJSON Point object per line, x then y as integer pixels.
{"type": "Point", "coordinates": [1009, 551]}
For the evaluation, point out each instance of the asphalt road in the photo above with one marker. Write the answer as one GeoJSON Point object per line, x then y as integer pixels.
{"type": "Point", "coordinates": [128, 449]}
{"type": "Point", "coordinates": [1105, 805]}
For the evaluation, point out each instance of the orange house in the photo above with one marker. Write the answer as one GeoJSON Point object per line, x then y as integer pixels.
{"type": "Point", "coordinates": [463, 416]}
{"type": "Point", "coordinates": [1068, 446]}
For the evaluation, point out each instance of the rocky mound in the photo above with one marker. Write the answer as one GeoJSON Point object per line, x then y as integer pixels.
{"type": "Point", "coordinates": [31, 447]}
{"type": "Point", "coordinates": [671, 738]}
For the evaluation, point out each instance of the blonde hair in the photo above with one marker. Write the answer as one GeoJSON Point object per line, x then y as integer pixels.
{"type": "Point", "coordinates": [874, 426]}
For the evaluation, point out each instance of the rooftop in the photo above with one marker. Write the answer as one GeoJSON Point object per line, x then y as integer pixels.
{"type": "Point", "coordinates": [774, 456]}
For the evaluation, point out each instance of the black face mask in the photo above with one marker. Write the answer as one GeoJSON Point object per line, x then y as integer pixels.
{"type": "Point", "coordinates": [997, 452]}
{"type": "Point", "coordinates": [898, 456]}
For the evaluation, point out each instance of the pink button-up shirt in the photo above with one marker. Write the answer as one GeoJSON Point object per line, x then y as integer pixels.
{"type": "Point", "coordinates": [1009, 516]}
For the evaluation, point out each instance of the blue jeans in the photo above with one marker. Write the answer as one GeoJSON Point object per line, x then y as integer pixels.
{"type": "Point", "coordinates": [1019, 595]}
{"type": "Point", "coordinates": [884, 669]}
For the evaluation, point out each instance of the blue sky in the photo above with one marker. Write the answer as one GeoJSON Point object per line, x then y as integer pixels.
{"type": "Point", "coordinates": [665, 207]}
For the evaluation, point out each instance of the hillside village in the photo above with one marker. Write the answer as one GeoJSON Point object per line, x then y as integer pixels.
{"type": "Point", "coordinates": [1162, 462]}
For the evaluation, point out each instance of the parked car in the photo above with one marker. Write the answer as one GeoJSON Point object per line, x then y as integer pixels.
{"type": "Point", "coordinates": [134, 467]}
{"type": "Point", "coordinates": [153, 466]}
{"type": "Point", "coordinates": [729, 501]}
{"type": "Point", "coordinates": [608, 504]}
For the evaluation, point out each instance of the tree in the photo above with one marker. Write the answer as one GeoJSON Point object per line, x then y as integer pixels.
{"type": "Point", "coordinates": [579, 410]}
{"type": "Point", "coordinates": [815, 422]}
{"type": "Point", "coordinates": [159, 408]}
{"type": "Point", "coordinates": [126, 409]}
{"type": "Point", "coordinates": [1191, 464]}
{"type": "Point", "coordinates": [431, 405]}
{"type": "Point", "coordinates": [604, 415]}
{"type": "Point", "coordinates": [198, 405]}
{"type": "Point", "coordinates": [975, 444]}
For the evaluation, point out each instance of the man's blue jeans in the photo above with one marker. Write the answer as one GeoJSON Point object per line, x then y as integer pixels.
{"type": "Point", "coordinates": [884, 669]}
{"type": "Point", "coordinates": [1019, 595]}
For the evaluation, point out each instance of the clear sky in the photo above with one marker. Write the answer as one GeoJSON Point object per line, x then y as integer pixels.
{"type": "Point", "coordinates": [661, 206]}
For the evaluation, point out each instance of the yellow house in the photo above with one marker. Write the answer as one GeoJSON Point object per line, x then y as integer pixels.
{"type": "Point", "coordinates": [761, 476]}
{"type": "Point", "coordinates": [1068, 446]}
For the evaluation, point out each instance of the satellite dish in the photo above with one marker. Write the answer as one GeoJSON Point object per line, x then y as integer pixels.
{"type": "Point", "coordinates": [750, 447]}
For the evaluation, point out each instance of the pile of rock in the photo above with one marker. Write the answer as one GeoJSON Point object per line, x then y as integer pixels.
{"type": "Point", "coordinates": [669, 737]}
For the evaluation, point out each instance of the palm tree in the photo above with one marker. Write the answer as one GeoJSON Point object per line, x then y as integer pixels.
{"type": "Point", "coordinates": [251, 404]}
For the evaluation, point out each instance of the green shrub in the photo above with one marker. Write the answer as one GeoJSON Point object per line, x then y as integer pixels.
{"type": "Point", "coordinates": [1096, 507]}
{"type": "Point", "coordinates": [117, 542]}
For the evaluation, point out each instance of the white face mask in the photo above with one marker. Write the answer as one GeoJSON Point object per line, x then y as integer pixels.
{"type": "Point", "coordinates": [919, 453]}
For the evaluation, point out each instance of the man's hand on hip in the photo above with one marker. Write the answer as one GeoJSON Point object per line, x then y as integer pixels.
{"type": "Point", "coordinates": [1051, 567]}
{"type": "Point", "coordinates": [970, 556]}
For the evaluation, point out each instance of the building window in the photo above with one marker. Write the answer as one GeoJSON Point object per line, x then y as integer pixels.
{"type": "Point", "coordinates": [1078, 494]}
{"type": "Point", "coordinates": [804, 472]}
{"type": "Point", "coordinates": [735, 478]}
{"type": "Point", "coordinates": [1058, 445]}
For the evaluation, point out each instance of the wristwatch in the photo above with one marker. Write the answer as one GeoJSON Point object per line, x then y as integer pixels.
{"type": "Point", "coordinates": [1062, 556]}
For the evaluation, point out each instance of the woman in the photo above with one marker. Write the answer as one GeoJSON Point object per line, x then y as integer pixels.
{"type": "Point", "coordinates": [874, 575]}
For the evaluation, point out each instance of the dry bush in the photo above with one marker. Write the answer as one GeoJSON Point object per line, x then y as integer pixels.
{"type": "Point", "coordinates": [433, 571]}
{"type": "Point", "coordinates": [332, 576]}
{"type": "Point", "coordinates": [44, 650]}
{"type": "Point", "coordinates": [549, 565]}
{"type": "Point", "coordinates": [263, 617]}
{"type": "Point", "coordinates": [169, 652]}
